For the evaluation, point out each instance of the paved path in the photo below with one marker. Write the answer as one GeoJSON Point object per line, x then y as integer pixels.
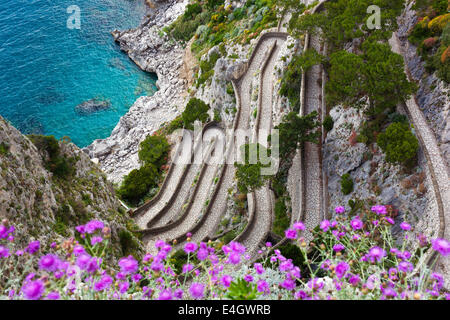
{"type": "Point", "coordinates": [312, 214]}
{"type": "Point", "coordinates": [143, 218]}
{"type": "Point", "coordinates": [189, 211]}
{"type": "Point", "coordinates": [261, 223]}
{"type": "Point", "coordinates": [436, 164]}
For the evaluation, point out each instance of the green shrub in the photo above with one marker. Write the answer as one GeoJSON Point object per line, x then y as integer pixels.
{"type": "Point", "coordinates": [196, 109]}
{"type": "Point", "coordinates": [346, 184]}
{"type": "Point", "coordinates": [399, 143]}
{"type": "Point", "coordinates": [153, 150]}
{"type": "Point", "coordinates": [128, 244]}
{"type": "Point", "coordinates": [229, 236]}
{"type": "Point", "coordinates": [217, 116]}
{"type": "Point", "coordinates": [282, 220]}
{"type": "Point", "coordinates": [58, 163]}
{"type": "Point", "coordinates": [137, 184]}
{"type": "Point", "coordinates": [397, 117]}
{"type": "Point", "coordinates": [207, 67]}
{"type": "Point", "coordinates": [248, 174]}
{"type": "Point", "coordinates": [175, 124]}
{"type": "Point", "coordinates": [291, 82]}
{"type": "Point", "coordinates": [4, 148]}
{"type": "Point", "coordinates": [328, 123]}
{"type": "Point", "coordinates": [191, 11]}
{"type": "Point", "coordinates": [295, 129]}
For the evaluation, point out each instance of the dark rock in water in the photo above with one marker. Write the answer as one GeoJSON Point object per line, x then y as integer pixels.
{"type": "Point", "coordinates": [92, 105]}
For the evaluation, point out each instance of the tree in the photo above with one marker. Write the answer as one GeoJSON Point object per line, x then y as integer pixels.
{"type": "Point", "coordinates": [196, 109]}
{"type": "Point", "coordinates": [295, 129]}
{"type": "Point", "coordinates": [385, 81]}
{"type": "Point", "coordinates": [345, 78]}
{"type": "Point", "coordinates": [344, 20]}
{"type": "Point", "coordinates": [154, 150]}
{"type": "Point", "coordinates": [378, 73]}
{"type": "Point", "coordinates": [248, 173]}
{"type": "Point", "coordinates": [137, 183]}
{"type": "Point", "coordinates": [399, 143]}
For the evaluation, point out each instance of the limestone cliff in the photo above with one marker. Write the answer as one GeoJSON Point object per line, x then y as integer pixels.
{"type": "Point", "coordinates": [47, 206]}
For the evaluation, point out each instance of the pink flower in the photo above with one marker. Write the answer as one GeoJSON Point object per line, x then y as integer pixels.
{"type": "Point", "coordinates": [33, 290]}
{"type": "Point", "coordinates": [341, 268]}
{"type": "Point", "coordinates": [290, 234]}
{"type": "Point", "coordinates": [196, 290]}
{"type": "Point", "coordinates": [442, 246]}
{"type": "Point", "coordinates": [356, 223]}
{"type": "Point", "coordinates": [259, 268]}
{"type": "Point", "coordinates": [376, 253]}
{"type": "Point", "coordinates": [325, 225]}
{"type": "Point", "coordinates": [226, 280]}
{"type": "Point", "coordinates": [339, 209]}
{"type": "Point", "coordinates": [379, 209]}
{"type": "Point", "coordinates": [190, 247]}
{"type": "Point", "coordinates": [288, 284]}
{"type": "Point", "coordinates": [299, 226]}
{"type": "Point", "coordinates": [405, 226]}
{"type": "Point", "coordinates": [262, 286]}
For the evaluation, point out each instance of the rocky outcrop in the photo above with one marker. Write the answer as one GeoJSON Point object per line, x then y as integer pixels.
{"type": "Point", "coordinates": [152, 51]}
{"type": "Point", "coordinates": [374, 178]}
{"type": "Point", "coordinates": [47, 208]}
{"type": "Point", "coordinates": [433, 94]}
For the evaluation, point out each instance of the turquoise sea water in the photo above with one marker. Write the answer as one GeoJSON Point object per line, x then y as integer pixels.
{"type": "Point", "coordinates": [46, 69]}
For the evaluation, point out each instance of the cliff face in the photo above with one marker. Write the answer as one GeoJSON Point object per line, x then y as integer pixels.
{"type": "Point", "coordinates": [47, 206]}
{"type": "Point", "coordinates": [433, 94]}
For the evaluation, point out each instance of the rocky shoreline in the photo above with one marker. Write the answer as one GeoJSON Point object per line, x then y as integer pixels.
{"type": "Point", "coordinates": [153, 52]}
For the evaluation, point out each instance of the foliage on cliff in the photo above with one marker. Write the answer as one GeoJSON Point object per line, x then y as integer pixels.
{"type": "Point", "coordinates": [431, 35]}
{"type": "Point", "coordinates": [48, 187]}
{"type": "Point", "coordinates": [139, 183]}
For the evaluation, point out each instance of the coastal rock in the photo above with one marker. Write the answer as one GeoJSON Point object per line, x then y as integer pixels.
{"type": "Point", "coordinates": [152, 51]}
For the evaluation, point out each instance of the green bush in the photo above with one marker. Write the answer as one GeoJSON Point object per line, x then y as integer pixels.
{"type": "Point", "coordinates": [248, 174]}
{"type": "Point", "coordinates": [282, 220]}
{"type": "Point", "coordinates": [399, 143]}
{"type": "Point", "coordinates": [346, 184]}
{"type": "Point", "coordinates": [217, 116]}
{"type": "Point", "coordinates": [196, 109]}
{"type": "Point", "coordinates": [291, 82]}
{"type": "Point", "coordinates": [154, 150]}
{"type": "Point", "coordinates": [294, 130]}
{"type": "Point", "coordinates": [328, 123]}
{"type": "Point", "coordinates": [58, 163]}
{"type": "Point", "coordinates": [4, 148]}
{"type": "Point", "coordinates": [207, 67]}
{"type": "Point", "coordinates": [175, 124]}
{"type": "Point", "coordinates": [128, 244]}
{"type": "Point", "coordinates": [137, 183]}
{"type": "Point", "coordinates": [191, 11]}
